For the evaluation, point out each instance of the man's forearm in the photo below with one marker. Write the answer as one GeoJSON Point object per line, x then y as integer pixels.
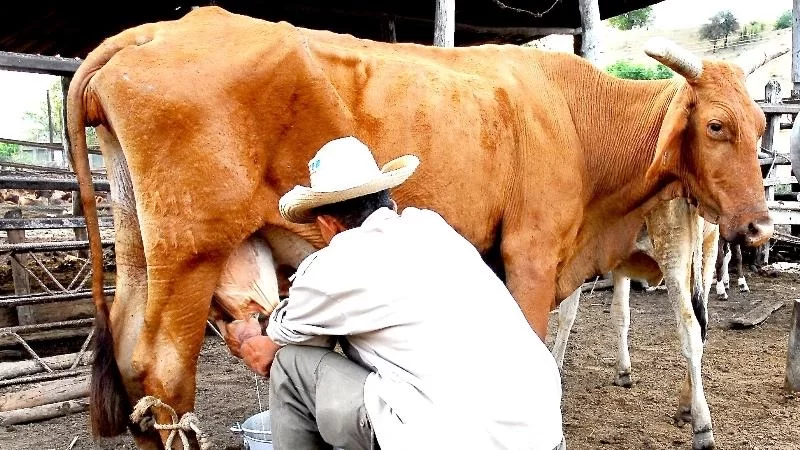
{"type": "Point", "coordinates": [258, 352]}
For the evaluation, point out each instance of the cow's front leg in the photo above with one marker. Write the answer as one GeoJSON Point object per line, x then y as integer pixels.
{"type": "Point", "coordinates": [179, 298]}
{"type": "Point", "coordinates": [531, 280]}
{"type": "Point", "coordinates": [567, 311]}
{"type": "Point", "coordinates": [676, 235]}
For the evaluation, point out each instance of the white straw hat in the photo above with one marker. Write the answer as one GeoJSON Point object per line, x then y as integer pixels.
{"type": "Point", "coordinates": [343, 169]}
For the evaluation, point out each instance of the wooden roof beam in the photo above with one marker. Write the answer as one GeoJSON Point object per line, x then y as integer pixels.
{"type": "Point", "coordinates": [463, 27]}
{"type": "Point", "coordinates": [517, 31]}
{"type": "Point", "coordinates": [50, 65]}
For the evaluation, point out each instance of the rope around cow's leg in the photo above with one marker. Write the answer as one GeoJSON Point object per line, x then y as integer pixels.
{"type": "Point", "coordinates": [187, 422]}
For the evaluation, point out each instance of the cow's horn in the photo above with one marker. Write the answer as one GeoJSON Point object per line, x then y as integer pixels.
{"type": "Point", "coordinates": [675, 57]}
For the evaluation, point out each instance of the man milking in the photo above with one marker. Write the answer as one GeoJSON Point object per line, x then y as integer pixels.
{"type": "Point", "coordinates": [439, 355]}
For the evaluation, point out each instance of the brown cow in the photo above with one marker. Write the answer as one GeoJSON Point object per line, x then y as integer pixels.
{"type": "Point", "coordinates": [206, 121]}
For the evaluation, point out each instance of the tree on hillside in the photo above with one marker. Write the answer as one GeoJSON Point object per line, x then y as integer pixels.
{"type": "Point", "coordinates": [635, 19]}
{"type": "Point", "coordinates": [752, 30]}
{"type": "Point", "coordinates": [719, 26]}
{"type": "Point", "coordinates": [40, 122]}
{"type": "Point", "coordinates": [784, 20]}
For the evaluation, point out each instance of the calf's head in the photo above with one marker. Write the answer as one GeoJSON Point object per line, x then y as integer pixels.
{"type": "Point", "coordinates": [708, 140]}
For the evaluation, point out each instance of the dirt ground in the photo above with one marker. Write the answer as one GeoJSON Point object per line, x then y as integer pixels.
{"type": "Point", "coordinates": [743, 375]}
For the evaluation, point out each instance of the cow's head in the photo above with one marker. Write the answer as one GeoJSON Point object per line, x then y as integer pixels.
{"type": "Point", "coordinates": [708, 140]}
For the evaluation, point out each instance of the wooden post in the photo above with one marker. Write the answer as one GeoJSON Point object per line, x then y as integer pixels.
{"type": "Point", "coordinates": [795, 49]}
{"type": "Point", "coordinates": [77, 209]}
{"type": "Point", "coordinates": [49, 118]}
{"type": "Point", "coordinates": [389, 33]}
{"type": "Point", "coordinates": [444, 25]}
{"type": "Point", "coordinates": [22, 284]}
{"type": "Point", "coordinates": [792, 383]}
{"type": "Point", "coordinates": [577, 43]}
{"type": "Point", "coordinates": [772, 94]}
{"type": "Point", "coordinates": [590, 20]}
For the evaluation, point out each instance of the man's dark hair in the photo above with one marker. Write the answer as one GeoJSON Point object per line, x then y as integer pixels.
{"type": "Point", "coordinates": [352, 213]}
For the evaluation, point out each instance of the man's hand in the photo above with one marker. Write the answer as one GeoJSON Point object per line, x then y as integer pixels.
{"type": "Point", "coordinates": [239, 331]}
{"type": "Point", "coordinates": [258, 353]}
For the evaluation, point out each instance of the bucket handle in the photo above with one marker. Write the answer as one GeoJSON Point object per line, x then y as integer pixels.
{"type": "Point", "coordinates": [237, 429]}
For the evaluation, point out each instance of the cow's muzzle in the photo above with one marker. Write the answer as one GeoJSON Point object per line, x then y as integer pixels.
{"type": "Point", "coordinates": [753, 232]}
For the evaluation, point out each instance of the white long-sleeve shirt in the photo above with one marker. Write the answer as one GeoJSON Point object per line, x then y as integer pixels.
{"type": "Point", "coordinates": [455, 364]}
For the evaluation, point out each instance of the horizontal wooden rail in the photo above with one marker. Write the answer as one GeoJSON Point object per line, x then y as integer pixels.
{"type": "Point", "coordinates": [51, 223]}
{"type": "Point", "coordinates": [779, 108]}
{"type": "Point", "coordinates": [45, 184]}
{"type": "Point", "coordinates": [47, 145]}
{"type": "Point", "coordinates": [40, 299]}
{"type": "Point", "coordinates": [46, 169]}
{"type": "Point", "coordinates": [784, 213]}
{"type": "Point", "coordinates": [50, 65]}
{"type": "Point", "coordinates": [774, 181]}
{"type": "Point", "coordinates": [59, 246]}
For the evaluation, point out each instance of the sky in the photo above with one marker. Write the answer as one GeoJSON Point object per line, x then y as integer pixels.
{"type": "Point", "coordinates": [19, 93]}
{"type": "Point", "coordinates": [22, 92]}
{"type": "Point", "coordinates": [688, 13]}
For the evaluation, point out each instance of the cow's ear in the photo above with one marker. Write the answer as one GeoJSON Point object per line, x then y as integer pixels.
{"type": "Point", "coordinates": [667, 158]}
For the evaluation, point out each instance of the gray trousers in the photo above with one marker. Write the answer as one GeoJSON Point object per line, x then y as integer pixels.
{"type": "Point", "coordinates": [316, 401]}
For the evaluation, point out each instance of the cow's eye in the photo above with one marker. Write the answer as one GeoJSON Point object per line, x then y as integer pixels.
{"type": "Point", "coordinates": [715, 128]}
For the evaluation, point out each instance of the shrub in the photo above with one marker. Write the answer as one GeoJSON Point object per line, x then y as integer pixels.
{"type": "Point", "coordinates": [633, 71]}
{"type": "Point", "coordinates": [784, 21]}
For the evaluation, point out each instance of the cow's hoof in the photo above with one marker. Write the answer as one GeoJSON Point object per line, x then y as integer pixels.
{"type": "Point", "coordinates": [703, 440]}
{"type": "Point", "coordinates": [722, 294]}
{"type": "Point", "coordinates": [623, 380]}
{"type": "Point", "coordinates": [683, 416]}
{"type": "Point", "coordinates": [743, 285]}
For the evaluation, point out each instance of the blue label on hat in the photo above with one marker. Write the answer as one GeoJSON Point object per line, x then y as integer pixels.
{"type": "Point", "coordinates": [313, 165]}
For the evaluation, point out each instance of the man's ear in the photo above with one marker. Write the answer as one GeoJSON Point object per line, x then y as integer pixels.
{"type": "Point", "coordinates": [327, 224]}
{"type": "Point", "coordinates": [667, 157]}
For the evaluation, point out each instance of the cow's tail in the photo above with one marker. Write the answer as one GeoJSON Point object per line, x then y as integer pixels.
{"type": "Point", "coordinates": [698, 287]}
{"type": "Point", "coordinates": [109, 403]}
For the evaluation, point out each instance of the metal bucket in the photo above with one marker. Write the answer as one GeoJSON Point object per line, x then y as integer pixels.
{"type": "Point", "coordinates": [256, 432]}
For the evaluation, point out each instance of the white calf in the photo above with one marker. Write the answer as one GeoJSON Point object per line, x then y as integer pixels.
{"type": "Point", "coordinates": [684, 246]}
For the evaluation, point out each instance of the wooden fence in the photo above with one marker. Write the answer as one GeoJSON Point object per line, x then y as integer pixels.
{"type": "Point", "coordinates": [784, 211]}
{"type": "Point", "coordinates": [50, 303]}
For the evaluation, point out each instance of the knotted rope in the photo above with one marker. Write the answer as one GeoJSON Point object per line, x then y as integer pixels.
{"type": "Point", "coordinates": [187, 422]}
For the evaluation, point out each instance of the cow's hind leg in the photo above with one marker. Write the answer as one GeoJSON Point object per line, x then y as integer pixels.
{"type": "Point", "coordinates": [179, 298]}
{"type": "Point", "coordinates": [726, 264]}
{"type": "Point", "coordinates": [621, 314]}
{"type": "Point", "coordinates": [567, 311]}
{"type": "Point", "coordinates": [126, 312]}
{"type": "Point", "coordinates": [185, 258]}
{"type": "Point", "coordinates": [722, 276]}
{"type": "Point", "coordinates": [736, 250]}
